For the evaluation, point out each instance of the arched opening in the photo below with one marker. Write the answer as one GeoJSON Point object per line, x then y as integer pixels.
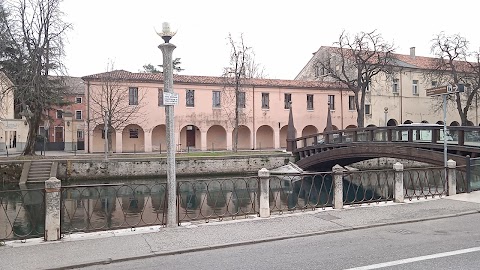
{"type": "Point", "coordinates": [392, 123]}
{"type": "Point", "coordinates": [264, 137]}
{"type": "Point", "coordinates": [159, 138]}
{"type": "Point", "coordinates": [407, 122]}
{"type": "Point", "coordinates": [99, 139]}
{"type": "Point", "coordinates": [309, 130]}
{"type": "Point", "coordinates": [470, 123]}
{"type": "Point", "coordinates": [133, 139]}
{"type": "Point", "coordinates": [243, 138]}
{"type": "Point", "coordinates": [454, 124]}
{"type": "Point", "coordinates": [190, 138]}
{"type": "Point", "coordinates": [283, 136]}
{"type": "Point", "coordinates": [439, 123]}
{"type": "Point", "coordinates": [424, 122]}
{"type": "Point", "coordinates": [333, 128]}
{"type": "Point", "coordinates": [371, 125]}
{"type": "Point", "coordinates": [216, 138]}
{"type": "Point", "coordinates": [351, 126]}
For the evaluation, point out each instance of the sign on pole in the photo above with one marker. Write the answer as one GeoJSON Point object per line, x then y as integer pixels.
{"type": "Point", "coordinates": [447, 89]}
{"type": "Point", "coordinates": [170, 98]}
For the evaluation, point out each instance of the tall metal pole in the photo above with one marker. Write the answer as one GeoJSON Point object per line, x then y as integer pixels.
{"type": "Point", "coordinates": [445, 135]}
{"type": "Point", "coordinates": [106, 134]}
{"type": "Point", "coordinates": [167, 50]}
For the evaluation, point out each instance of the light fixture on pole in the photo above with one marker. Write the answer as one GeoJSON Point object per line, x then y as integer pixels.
{"type": "Point", "coordinates": [46, 127]}
{"type": "Point", "coordinates": [386, 114]}
{"type": "Point", "coordinates": [167, 50]}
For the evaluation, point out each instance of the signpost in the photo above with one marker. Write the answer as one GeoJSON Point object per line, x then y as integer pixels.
{"type": "Point", "coordinates": [170, 98]}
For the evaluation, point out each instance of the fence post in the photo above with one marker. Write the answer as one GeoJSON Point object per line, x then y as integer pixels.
{"type": "Point", "coordinates": [264, 176]}
{"type": "Point", "coordinates": [338, 186]}
{"type": "Point", "coordinates": [398, 196]}
{"type": "Point", "coordinates": [52, 209]}
{"type": "Point", "coordinates": [452, 177]}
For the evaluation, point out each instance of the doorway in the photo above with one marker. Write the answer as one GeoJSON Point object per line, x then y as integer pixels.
{"type": "Point", "coordinates": [190, 136]}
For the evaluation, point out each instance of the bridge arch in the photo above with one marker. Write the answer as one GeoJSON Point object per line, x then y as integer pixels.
{"type": "Point", "coordinates": [264, 137]}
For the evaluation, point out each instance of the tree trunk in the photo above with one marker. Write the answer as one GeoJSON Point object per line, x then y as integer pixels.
{"type": "Point", "coordinates": [31, 137]}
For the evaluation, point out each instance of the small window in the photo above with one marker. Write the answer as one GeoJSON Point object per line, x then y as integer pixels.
{"type": "Point", "coordinates": [309, 102]}
{"type": "Point", "coordinates": [79, 134]}
{"type": "Point", "coordinates": [317, 73]}
{"type": "Point", "coordinates": [190, 98]}
{"type": "Point", "coordinates": [78, 115]}
{"type": "Point", "coordinates": [396, 87]}
{"type": "Point", "coordinates": [434, 83]}
{"type": "Point", "coordinates": [160, 97]}
{"type": "Point", "coordinates": [367, 109]}
{"type": "Point", "coordinates": [287, 100]}
{"type": "Point", "coordinates": [415, 87]}
{"type": "Point", "coordinates": [134, 133]}
{"type": "Point", "coordinates": [216, 99]}
{"type": "Point", "coordinates": [78, 100]}
{"type": "Point", "coordinates": [331, 101]}
{"type": "Point", "coordinates": [265, 101]}
{"type": "Point", "coordinates": [351, 103]}
{"type": "Point", "coordinates": [241, 99]}
{"type": "Point", "coordinates": [133, 96]}
{"type": "Point", "coordinates": [59, 114]}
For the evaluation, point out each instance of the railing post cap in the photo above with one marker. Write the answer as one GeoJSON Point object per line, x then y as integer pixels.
{"type": "Point", "coordinates": [338, 169]}
{"type": "Point", "coordinates": [451, 163]}
{"type": "Point", "coordinates": [263, 172]}
{"type": "Point", "coordinates": [53, 182]}
{"type": "Point", "coordinates": [398, 166]}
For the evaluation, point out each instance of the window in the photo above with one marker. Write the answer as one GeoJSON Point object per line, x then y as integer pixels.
{"type": "Point", "coordinates": [133, 96]}
{"type": "Point", "coordinates": [310, 102]}
{"type": "Point", "coordinates": [59, 114]}
{"type": "Point", "coordinates": [78, 115]}
{"type": "Point", "coordinates": [133, 133]}
{"type": "Point", "coordinates": [160, 97]}
{"type": "Point", "coordinates": [216, 99]}
{"type": "Point", "coordinates": [395, 86]}
{"type": "Point", "coordinates": [79, 134]}
{"type": "Point", "coordinates": [434, 83]}
{"type": "Point", "coordinates": [351, 103]}
{"type": "Point", "coordinates": [241, 99]}
{"type": "Point", "coordinates": [367, 109]}
{"type": "Point", "coordinates": [331, 101]}
{"type": "Point", "coordinates": [265, 101]}
{"type": "Point", "coordinates": [287, 100]}
{"type": "Point", "coordinates": [190, 98]}
{"type": "Point", "coordinates": [78, 100]}
{"type": "Point", "coordinates": [415, 87]}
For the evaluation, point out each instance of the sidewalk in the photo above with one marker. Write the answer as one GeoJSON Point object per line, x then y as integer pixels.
{"type": "Point", "coordinates": [107, 247]}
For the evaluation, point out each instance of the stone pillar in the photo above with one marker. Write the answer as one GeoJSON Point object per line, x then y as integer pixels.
{"type": "Point", "coordinates": [338, 186]}
{"type": "Point", "coordinates": [264, 179]}
{"type": "Point", "coordinates": [398, 195]}
{"type": "Point", "coordinates": [148, 142]}
{"type": "Point", "coordinates": [118, 142]}
{"type": "Point", "coordinates": [203, 144]}
{"type": "Point", "coordinates": [52, 209]}
{"type": "Point", "coordinates": [276, 138]}
{"type": "Point", "coordinates": [452, 177]}
{"type": "Point", "coordinates": [230, 140]}
{"type": "Point", "coordinates": [69, 127]}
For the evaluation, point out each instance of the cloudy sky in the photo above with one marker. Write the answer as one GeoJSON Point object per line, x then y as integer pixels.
{"type": "Point", "coordinates": [283, 34]}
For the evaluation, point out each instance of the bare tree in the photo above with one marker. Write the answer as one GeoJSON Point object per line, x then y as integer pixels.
{"type": "Point", "coordinates": [355, 61]}
{"type": "Point", "coordinates": [451, 67]}
{"type": "Point", "coordinates": [120, 103]}
{"type": "Point", "coordinates": [32, 50]}
{"type": "Point", "coordinates": [234, 97]}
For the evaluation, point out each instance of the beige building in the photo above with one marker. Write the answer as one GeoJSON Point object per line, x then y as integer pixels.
{"type": "Point", "coordinates": [204, 114]}
{"type": "Point", "coordinates": [400, 98]}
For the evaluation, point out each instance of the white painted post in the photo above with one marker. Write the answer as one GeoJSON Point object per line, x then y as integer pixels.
{"type": "Point", "coordinates": [264, 176]}
{"type": "Point", "coordinates": [398, 196]}
{"type": "Point", "coordinates": [452, 177]}
{"type": "Point", "coordinates": [52, 209]}
{"type": "Point", "coordinates": [338, 186]}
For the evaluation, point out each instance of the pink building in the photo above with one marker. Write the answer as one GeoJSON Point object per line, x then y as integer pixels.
{"type": "Point", "coordinates": [204, 114]}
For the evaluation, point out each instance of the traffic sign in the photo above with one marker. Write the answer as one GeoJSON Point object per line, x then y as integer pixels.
{"type": "Point", "coordinates": [447, 89]}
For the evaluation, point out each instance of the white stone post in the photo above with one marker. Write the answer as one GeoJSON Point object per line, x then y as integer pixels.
{"type": "Point", "coordinates": [452, 177]}
{"type": "Point", "coordinates": [338, 186]}
{"type": "Point", "coordinates": [264, 176]}
{"type": "Point", "coordinates": [398, 195]}
{"type": "Point", "coordinates": [52, 209]}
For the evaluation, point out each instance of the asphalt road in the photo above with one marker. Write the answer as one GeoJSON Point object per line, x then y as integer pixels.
{"type": "Point", "coordinates": [452, 243]}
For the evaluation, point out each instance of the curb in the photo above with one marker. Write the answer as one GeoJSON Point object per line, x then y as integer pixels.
{"type": "Point", "coordinates": [252, 242]}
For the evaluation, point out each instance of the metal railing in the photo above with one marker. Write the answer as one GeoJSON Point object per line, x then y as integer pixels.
{"type": "Point", "coordinates": [360, 187]}
{"type": "Point", "coordinates": [425, 182]}
{"type": "Point", "coordinates": [22, 214]}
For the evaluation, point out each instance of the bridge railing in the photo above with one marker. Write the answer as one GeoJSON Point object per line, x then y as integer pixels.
{"type": "Point", "coordinates": [457, 135]}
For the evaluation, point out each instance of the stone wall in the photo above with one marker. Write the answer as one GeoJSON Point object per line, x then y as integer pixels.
{"type": "Point", "coordinates": [387, 163]}
{"type": "Point", "coordinates": [154, 167]}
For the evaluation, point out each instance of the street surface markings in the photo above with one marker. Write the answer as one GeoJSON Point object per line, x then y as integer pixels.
{"type": "Point", "coordinates": [417, 259]}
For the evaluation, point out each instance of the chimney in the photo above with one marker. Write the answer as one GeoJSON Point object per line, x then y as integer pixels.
{"type": "Point", "coordinates": [412, 51]}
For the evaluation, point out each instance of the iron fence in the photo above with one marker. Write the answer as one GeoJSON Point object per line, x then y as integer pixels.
{"type": "Point", "coordinates": [217, 199]}
{"type": "Point", "coordinates": [425, 182]}
{"type": "Point", "coordinates": [22, 214]}
{"type": "Point", "coordinates": [103, 207]}
{"type": "Point", "coordinates": [365, 187]}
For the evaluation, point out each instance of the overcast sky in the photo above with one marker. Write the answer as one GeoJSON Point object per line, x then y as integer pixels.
{"type": "Point", "coordinates": [283, 34]}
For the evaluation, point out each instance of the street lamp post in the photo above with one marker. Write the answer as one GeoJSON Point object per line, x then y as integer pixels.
{"type": "Point", "coordinates": [386, 114]}
{"type": "Point", "coordinates": [167, 50]}
{"type": "Point", "coordinates": [46, 127]}
{"type": "Point", "coordinates": [106, 134]}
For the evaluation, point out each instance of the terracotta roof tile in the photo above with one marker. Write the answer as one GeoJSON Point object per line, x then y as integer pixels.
{"type": "Point", "coordinates": [123, 75]}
